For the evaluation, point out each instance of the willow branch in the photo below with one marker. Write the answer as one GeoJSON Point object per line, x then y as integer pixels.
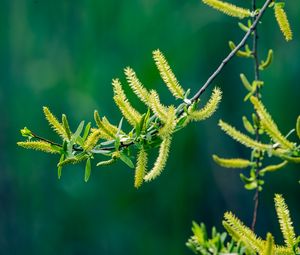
{"type": "Point", "coordinates": [233, 52]}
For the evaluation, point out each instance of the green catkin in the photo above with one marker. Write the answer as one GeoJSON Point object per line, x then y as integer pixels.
{"type": "Point", "coordinates": [273, 168]}
{"type": "Point", "coordinates": [283, 22]}
{"type": "Point", "coordinates": [228, 9]}
{"type": "Point", "coordinates": [232, 163]}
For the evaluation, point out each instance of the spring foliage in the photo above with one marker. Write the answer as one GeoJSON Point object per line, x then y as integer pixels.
{"type": "Point", "coordinates": [243, 239]}
{"type": "Point", "coordinates": [151, 129]}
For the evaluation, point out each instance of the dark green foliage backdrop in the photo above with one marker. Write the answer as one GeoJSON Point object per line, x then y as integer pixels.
{"type": "Point", "coordinates": [63, 54]}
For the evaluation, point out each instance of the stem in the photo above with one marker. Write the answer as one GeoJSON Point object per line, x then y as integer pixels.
{"type": "Point", "coordinates": [257, 136]}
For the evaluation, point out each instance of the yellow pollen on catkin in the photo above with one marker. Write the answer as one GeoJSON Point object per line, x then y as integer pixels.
{"type": "Point", "coordinates": [228, 9]}
{"type": "Point", "coordinates": [283, 22]}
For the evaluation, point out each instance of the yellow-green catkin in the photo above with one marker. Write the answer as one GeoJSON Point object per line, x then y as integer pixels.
{"type": "Point", "coordinates": [130, 114]}
{"type": "Point", "coordinates": [285, 221]}
{"type": "Point", "coordinates": [38, 145]}
{"type": "Point", "coordinates": [136, 85]}
{"type": "Point", "coordinates": [170, 123]}
{"type": "Point", "coordinates": [233, 162]}
{"type": "Point", "coordinates": [228, 9]}
{"type": "Point", "coordinates": [92, 139]}
{"type": "Point", "coordinates": [242, 138]}
{"type": "Point", "coordinates": [283, 22]}
{"type": "Point", "coordinates": [269, 125]}
{"type": "Point", "coordinates": [209, 108]}
{"type": "Point", "coordinates": [167, 75]}
{"type": "Point", "coordinates": [161, 160]}
{"type": "Point", "coordinates": [54, 123]}
{"type": "Point", "coordinates": [141, 168]}
{"type": "Point", "coordinates": [108, 130]}
{"type": "Point", "coordinates": [156, 106]}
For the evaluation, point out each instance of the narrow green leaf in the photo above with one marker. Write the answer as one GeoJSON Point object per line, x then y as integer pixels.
{"type": "Point", "coordinates": [87, 172]}
{"type": "Point", "coordinates": [66, 126]}
{"type": "Point", "coordinates": [126, 159]}
{"type": "Point", "coordinates": [86, 131]}
{"type": "Point", "coordinates": [59, 167]}
{"type": "Point", "coordinates": [298, 126]}
{"type": "Point", "coordinates": [78, 131]}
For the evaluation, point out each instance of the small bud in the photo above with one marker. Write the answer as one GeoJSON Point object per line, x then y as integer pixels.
{"type": "Point", "coordinates": [25, 132]}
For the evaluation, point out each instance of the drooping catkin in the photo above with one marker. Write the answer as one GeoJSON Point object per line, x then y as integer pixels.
{"type": "Point", "coordinates": [161, 160]}
{"type": "Point", "coordinates": [141, 167]}
{"type": "Point", "coordinates": [283, 22]}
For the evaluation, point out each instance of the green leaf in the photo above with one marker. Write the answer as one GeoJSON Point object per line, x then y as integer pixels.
{"type": "Point", "coordinates": [126, 159]}
{"type": "Point", "coordinates": [120, 126]}
{"type": "Point", "coordinates": [59, 167]}
{"type": "Point", "coordinates": [87, 172]}
{"type": "Point", "coordinates": [86, 131]}
{"type": "Point", "coordinates": [78, 132]}
{"type": "Point", "coordinates": [66, 126]}
{"type": "Point", "coordinates": [298, 126]}
{"type": "Point", "coordinates": [25, 132]}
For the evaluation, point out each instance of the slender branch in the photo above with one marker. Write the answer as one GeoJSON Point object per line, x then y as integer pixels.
{"type": "Point", "coordinates": [209, 80]}
{"type": "Point", "coordinates": [45, 140]}
{"type": "Point", "coordinates": [257, 136]}
{"type": "Point", "coordinates": [233, 52]}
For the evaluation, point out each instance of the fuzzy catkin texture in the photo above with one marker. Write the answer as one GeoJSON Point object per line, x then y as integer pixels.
{"type": "Point", "coordinates": [161, 160]}
{"type": "Point", "coordinates": [283, 22]}
{"type": "Point", "coordinates": [228, 9]}
{"type": "Point", "coordinates": [130, 114]}
{"type": "Point", "coordinates": [141, 167]}
{"type": "Point", "coordinates": [167, 75]}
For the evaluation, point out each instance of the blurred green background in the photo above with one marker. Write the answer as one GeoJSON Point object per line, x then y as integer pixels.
{"type": "Point", "coordinates": [63, 54]}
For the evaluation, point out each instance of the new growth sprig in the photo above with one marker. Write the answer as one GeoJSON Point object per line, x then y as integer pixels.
{"type": "Point", "coordinates": [151, 129]}
{"type": "Point", "coordinates": [243, 239]}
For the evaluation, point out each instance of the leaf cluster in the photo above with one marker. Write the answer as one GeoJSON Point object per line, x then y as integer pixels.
{"type": "Point", "coordinates": [151, 129]}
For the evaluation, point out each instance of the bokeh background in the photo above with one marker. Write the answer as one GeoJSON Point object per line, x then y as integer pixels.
{"type": "Point", "coordinates": [63, 54]}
